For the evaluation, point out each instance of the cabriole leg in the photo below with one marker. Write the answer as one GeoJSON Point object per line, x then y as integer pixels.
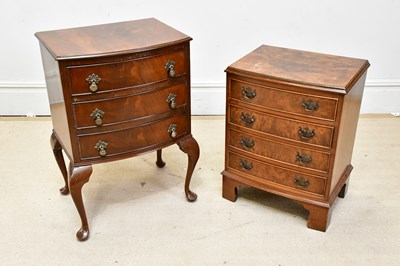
{"type": "Point", "coordinates": [160, 163]}
{"type": "Point", "coordinates": [57, 151]}
{"type": "Point", "coordinates": [189, 146]}
{"type": "Point", "coordinates": [79, 176]}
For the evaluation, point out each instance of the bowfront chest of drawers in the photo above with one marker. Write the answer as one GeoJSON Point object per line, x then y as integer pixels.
{"type": "Point", "coordinates": [291, 120]}
{"type": "Point", "coordinates": [116, 91]}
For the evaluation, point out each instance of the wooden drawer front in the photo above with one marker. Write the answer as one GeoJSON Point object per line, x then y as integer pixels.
{"type": "Point", "coordinates": [128, 108]}
{"type": "Point", "coordinates": [284, 128]}
{"type": "Point", "coordinates": [134, 139]}
{"type": "Point", "coordinates": [293, 155]}
{"type": "Point", "coordinates": [277, 175]}
{"type": "Point", "coordinates": [125, 74]}
{"type": "Point", "coordinates": [280, 100]}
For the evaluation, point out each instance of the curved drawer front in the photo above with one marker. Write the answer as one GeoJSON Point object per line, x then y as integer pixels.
{"type": "Point", "coordinates": [115, 75]}
{"type": "Point", "coordinates": [128, 108]}
{"type": "Point", "coordinates": [293, 155]}
{"type": "Point", "coordinates": [284, 128]}
{"type": "Point", "coordinates": [279, 100]}
{"type": "Point", "coordinates": [133, 139]}
{"type": "Point", "coordinates": [277, 175]}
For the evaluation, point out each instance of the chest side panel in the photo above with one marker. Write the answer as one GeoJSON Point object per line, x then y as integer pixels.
{"type": "Point", "coordinates": [347, 131]}
{"type": "Point", "coordinates": [56, 100]}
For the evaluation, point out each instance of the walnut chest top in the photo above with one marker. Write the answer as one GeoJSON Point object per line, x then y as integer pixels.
{"type": "Point", "coordinates": [335, 73]}
{"type": "Point", "coordinates": [109, 39]}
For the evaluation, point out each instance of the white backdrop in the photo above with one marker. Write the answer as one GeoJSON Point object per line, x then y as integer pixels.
{"type": "Point", "coordinates": [222, 32]}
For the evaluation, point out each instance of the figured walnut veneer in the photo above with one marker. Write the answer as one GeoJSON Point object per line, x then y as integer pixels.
{"type": "Point", "coordinates": [116, 91]}
{"type": "Point", "coordinates": [291, 119]}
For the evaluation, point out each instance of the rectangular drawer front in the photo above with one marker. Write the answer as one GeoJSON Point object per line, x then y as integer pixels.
{"type": "Point", "coordinates": [133, 139]}
{"type": "Point", "coordinates": [284, 128]}
{"type": "Point", "coordinates": [277, 175]}
{"type": "Point", "coordinates": [280, 100]}
{"type": "Point", "coordinates": [125, 74]}
{"type": "Point", "coordinates": [293, 155]}
{"type": "Point", "coordinates": [128, 108]}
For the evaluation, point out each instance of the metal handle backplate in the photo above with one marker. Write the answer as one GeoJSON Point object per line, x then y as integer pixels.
{"type": "Point", "coordinates": [172, 130]}
{"type": "Point", "coordinates": [101, 146]}
{"type": "Point", "coordinates": [247, 143]}
{"type": "Point", "coordinates": [171, 100]}
{"type": "Point", "coordinates": [310, 106]}
{"type": "Point", "coordinates": [97, 115]}
{"type": "Point", "coordinates": [245, 165]}
{"type": "Point", "coordinates": [170, 67]}
{"type": "Point", "coordinates": [93, 80]}
{"type": "Point", "coordinates": [248, 93]}
{"type": "Point", "coordinates": [247, 118]}
{"type": "Point", "coordinates": [306, 133]}
{"type": "Point", "coordinates": [301, 181]}
{"type": "Point", "coordinates": [303, 158]}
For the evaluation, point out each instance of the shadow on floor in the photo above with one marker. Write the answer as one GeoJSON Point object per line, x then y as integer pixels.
{"type": "Point", "coordinates": [273, 201]}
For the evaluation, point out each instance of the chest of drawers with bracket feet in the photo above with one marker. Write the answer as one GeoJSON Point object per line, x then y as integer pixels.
{"type": "Point", "coordinates": [291, 121]}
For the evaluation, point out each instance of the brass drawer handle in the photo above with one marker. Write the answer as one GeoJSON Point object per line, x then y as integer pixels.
{"type": "Point", "coordinates": [170, 67]}
{"type": "Point", "coordinates": [301, 181]}
{"type": "Point", "coordinates": [93, 80]}
{"type": "Point", "coordinates": [248, 94]}
{"type": "Point", "coordinates": [171, 100]}
{"type": "Point", "coordinates": [245, 165]}
{"type": "Point", "coordinates": [101, 146]}
{"type": "Point", "coordinates": [247, 118]}
{"type": "Point", "coordinates": [247, 143]}
{"type": "Point", "coordinates": [310, 106]}
{"type": "Point", "coordinates": [97, 115]}
{"type": "Point", "coordinates": [306, 133]}
{"type": "Point", "coordinates": [303, 158]}
{"type": "Point", "coordinates": [172, 130]}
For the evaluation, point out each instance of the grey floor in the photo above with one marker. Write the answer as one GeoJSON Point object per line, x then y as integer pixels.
{"type": "Point", "coordinates": [138, 214]}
